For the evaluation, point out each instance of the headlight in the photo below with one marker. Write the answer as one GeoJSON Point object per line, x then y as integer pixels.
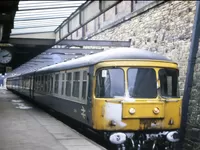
{"type": "Point", "coordinates": [173, 136]}
{"type": "Point", "coordinates": [117, 138]}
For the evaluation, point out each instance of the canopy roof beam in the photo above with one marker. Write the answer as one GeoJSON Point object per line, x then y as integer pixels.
{"type": "Point", "coordinates": [41, 18]}
{"type": "Point", "coordinates": [31, 14]}
{"type": "Point", "coordinates": [25, 41]}
{"type": "Point", "coordinates": [36, 26]}
{"type": "Point", "coordinates": [64, 13]}
{"type": "Point", "coordinates": [95, 43]}
{"type": "Point", "coordinates": [72, 50]}
{"type": "Point", "coordinates": [55, 7]}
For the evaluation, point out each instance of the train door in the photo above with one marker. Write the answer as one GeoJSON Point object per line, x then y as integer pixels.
{"type": "Point", "coordinates": [51, 84]}
{"type": "Point", "coordinates": [89, 94]}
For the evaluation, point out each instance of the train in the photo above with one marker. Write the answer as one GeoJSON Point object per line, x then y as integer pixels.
{"type": "Point", "coordinates": [128, 95]}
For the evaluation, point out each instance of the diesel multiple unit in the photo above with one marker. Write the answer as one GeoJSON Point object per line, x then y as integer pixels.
{"type": "Point", "coordinates": [129, 95]}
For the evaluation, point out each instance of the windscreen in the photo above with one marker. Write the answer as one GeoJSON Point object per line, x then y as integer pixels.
{"type": "Point", "coordinates": [169, 82]}
{"type": "Point", "coordinates": [142, 83]}
{"type": "Point", "coordinates": [110, 83]}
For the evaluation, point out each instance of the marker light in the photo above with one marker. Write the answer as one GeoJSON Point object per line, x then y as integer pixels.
{"type": "Point", "coordinates": [156, 110]}
{"type": "Point", "coordinates": [131, 111]}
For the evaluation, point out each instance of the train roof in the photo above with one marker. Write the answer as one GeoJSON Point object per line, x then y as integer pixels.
{"type": "Point", "coordinates": [111, 54]}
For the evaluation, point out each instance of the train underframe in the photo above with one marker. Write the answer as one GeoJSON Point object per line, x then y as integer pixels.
{"type": "Point", "coordinates": [163, 140]}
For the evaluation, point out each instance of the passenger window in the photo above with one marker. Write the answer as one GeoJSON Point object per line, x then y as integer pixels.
{"type": "Point", "coordinates": [39, 83]}
{"type": "Point", "coordinates": [63, 76]}
{"type": "Point", "coordinates": [23, 85]}
{"type": "Point", "coordinates": [42, 83]}
{"type": "Point", "coordinates": [36, 83]}
{"type": "Point", "coordinates": [25, 81]}
{"type": "Point", "coordinates": [76, 81]}
{"type": "Point", "coordinates": [84, 85]}
{"type": "Point", "coordinates": [68, 84]}
{"type": "Point", "coordinates": [63, 81]}
{"type": "Point", "coordinates": [28, 82]}
{"type": "Point", "coordinates": [51, 82]}
{"type": "Point", "coordinates": [45, 83]}
{"type": "Point", "coordinates": [48, 84]}
{"type": "Point", "coordinates": [56, 84]}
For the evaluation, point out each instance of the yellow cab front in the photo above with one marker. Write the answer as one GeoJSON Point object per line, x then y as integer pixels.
{"type": "Point", "coordinates": [136, 95]}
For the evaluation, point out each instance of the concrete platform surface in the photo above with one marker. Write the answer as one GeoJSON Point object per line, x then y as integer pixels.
{"type": "Point", "coordinates": [25, 127]}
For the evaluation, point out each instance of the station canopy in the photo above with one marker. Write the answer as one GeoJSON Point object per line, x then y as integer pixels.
{"type": "Point", "coordinates": [42, 16]}
{"type": "Point", "coordinates": [46, 16]}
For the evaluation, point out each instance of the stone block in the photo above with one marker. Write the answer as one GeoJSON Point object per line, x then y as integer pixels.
{"type": "Point", "coordinates": [194, 134]}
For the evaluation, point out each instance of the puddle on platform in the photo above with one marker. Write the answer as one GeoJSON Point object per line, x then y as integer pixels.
{"type": "Point", "coordinates": [17, 101]}
{"type": "Point", "coordinates": [20, 105]}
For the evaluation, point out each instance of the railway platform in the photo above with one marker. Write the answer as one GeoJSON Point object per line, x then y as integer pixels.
{"type": "Point", "coordinates": [23, 126]}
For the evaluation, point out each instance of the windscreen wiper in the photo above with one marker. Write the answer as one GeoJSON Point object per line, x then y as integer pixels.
{"type": "Point", "coordinates": [167, 99]}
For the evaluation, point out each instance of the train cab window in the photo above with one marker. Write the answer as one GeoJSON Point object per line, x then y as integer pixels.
{"type": "Point", "coordinates": [169, 82]}
{"type": "Point", "coordinates": [56, 84]}
{"type": "Point", "coordinates": [142, 83]}
{"type": "Point", "coordinates": [63, 82]}
{"type": "Point", "coordinates": [68, 84]}
{"type": "Point", "coordinates": [76, 84]}
{"type": "Point", "coordinates": [84, 85]}
{"type": "Point", "coordinates": [110, 83]}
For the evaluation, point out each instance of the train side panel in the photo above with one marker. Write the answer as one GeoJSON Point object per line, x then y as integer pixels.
{"type": "Point", "coordinates": [55, 96]}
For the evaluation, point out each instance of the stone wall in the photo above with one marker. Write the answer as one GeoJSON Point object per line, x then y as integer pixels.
{"type": "Point", "coordinates": [192, 139]}
{"type": "Point", "coordinates": [165, 29]}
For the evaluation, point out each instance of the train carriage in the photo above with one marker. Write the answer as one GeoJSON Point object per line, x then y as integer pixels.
{"type": "Point", "coordinates": [128, 94]}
